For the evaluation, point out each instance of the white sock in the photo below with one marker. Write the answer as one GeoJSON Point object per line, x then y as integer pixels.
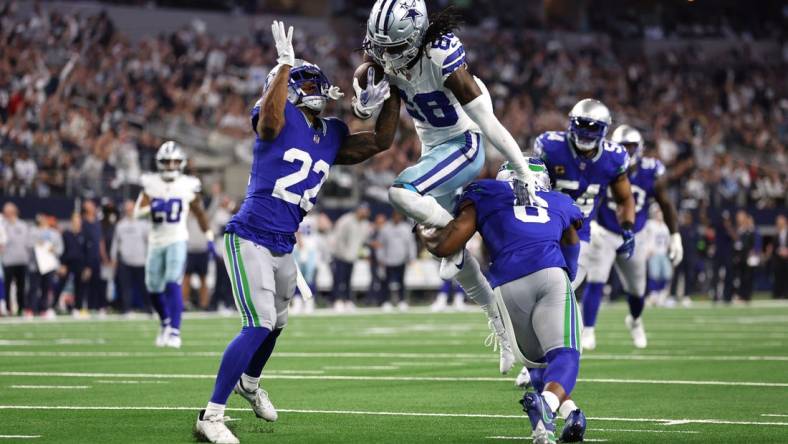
{"type": "Point", "coordinates": [474, 283]}
{"type": "Point", "coordinates": [566, 408]}
{"type": "Point", "coordinates": [423, 209]}
{"type": "Point", "coordinates": [551, 399]}
{"type": "Point", "coordinates": [214, 410]}
{"type": "Point", "coordinates": [249, 383]}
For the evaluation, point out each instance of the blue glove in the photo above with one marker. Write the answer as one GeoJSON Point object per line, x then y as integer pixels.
{"type": "Point", "coordinates": [212, 249]}
{"type": "Point", "coordinates": [628, 247]}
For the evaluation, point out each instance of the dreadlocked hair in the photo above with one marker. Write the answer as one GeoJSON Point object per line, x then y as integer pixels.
{"type": "Point", "coordinates": [445, 22]}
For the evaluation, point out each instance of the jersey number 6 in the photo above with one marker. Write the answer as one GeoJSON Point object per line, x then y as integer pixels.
{"type": "Point", "coordinates": [280, 187]}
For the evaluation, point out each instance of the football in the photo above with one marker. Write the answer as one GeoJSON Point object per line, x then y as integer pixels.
{"type": "Point", "coordinates": [361, 73]}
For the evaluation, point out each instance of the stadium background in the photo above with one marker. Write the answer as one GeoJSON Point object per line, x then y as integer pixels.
{"type": "Point", "coordinates": [89, 90]}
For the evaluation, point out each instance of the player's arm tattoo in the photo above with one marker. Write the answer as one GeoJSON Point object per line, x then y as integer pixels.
{"type": "Point", "coordinates": [198, 210]}
{"type": "Point", "coordinates": [272, 108]}
{"type": "Point", "coordinates": [463, 86]}
{"type": "Point", "coordinates": [668, 210]}
{"type": "Point", "coordinates": [622, 195]}
{"type": "Point", "coordinates": [453, 237]}
{"type": "Point", "coordinates": [360, 146]}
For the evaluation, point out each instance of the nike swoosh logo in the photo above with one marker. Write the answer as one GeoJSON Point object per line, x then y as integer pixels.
{"type": "Point", "coordinates": [462, 261]}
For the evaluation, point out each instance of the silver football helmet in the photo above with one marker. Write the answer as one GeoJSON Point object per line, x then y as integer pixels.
{"type": "Point", "coordinates": [632, 141]}
{"type": "Point", "coordinates": [395, 30]}
{"type": "Point", "coordinates": [170, 160]}
{"type": "Point", "coordinates": [588, 124]}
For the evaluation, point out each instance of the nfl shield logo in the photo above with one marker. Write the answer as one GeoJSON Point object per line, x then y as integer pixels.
{"type": "Point", "coordinates": [560, 170]}
{"type": "Point", "coordinates": [316, 138]}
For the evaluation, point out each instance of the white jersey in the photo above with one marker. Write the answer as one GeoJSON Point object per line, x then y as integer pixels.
{"type": "Point", "coordinates": [659, 236]}
{"type": "Point", "coordinates": [171, 200]}
{"type": "Point", "coordinates": [437, 114]}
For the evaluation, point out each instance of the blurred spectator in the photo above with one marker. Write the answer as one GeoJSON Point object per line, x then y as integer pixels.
{"type": "Point", "coordinates": [746, 254]}
{"type": "Point", "coordinates": [128, 254]}
{"type": "Point", "coordinates": [95, 257]}
{"type": "Point", "coordinates": [722, 272]}
{"type": "Point", "coordinates": [16, 256]}
{"type": "Point", "coordinates": [3, 242]}
{"type": "Point", "coordinates": [197, 259]}
{"type": "Point", "coordinates": [660, 270]}
{"type": "Point", "coordinates": [685, 275]}
{"type": "Point", "coordinates": [375, 295]}
{"type": "Point", "coordinates": [48, 246]}
{"type": "Point", "coordinates": [779, 255]}
{"type": "Point", "coordinates": [397, 248]}
{"type": "Point", "coordinates": [447, 289]}
{"type": "Point", "coordinates": [73, 266]}
{"type": "Point", "coordinates": [350, 233]}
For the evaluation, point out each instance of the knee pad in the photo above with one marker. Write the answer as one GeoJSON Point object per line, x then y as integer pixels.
{"type": "Point", "coordinates": [563, 365]}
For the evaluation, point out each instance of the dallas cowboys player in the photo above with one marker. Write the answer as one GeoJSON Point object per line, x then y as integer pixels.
{"type": "Point", "coordinates": [531, 248]}
{"type": "Point", "coordinates": [166, 198]}
{"type": "Point", "coordinates": [293, 151]}
{"type": "Point", "coordinates": [646, 174]}
{"type": "Point", "coordinates": [451, 109]}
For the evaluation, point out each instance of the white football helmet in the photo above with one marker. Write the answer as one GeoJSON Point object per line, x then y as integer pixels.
{"type": "Point", "coordinates": [588, 124]}
{"type": "Point", "coordinates": [631, 139]}
{"type": "Point", "coordinates": [170, 160]}
{"type": "Point", "coordinates": [537, 168]}
{"type": "Point", "coordinates": [395, 30]}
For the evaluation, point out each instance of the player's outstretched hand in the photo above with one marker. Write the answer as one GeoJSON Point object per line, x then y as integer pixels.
{"type": "Point", "coordinates": [675, 250]}
{"type": "Point", "coordinates": [368, 100]}
{"type": "Point", "coordinates": [628, 247]}
{"type": "Point", "coordinates": [284, 43]}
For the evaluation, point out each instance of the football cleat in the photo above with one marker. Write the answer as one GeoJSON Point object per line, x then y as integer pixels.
{"type": "Point", "coordinates": [541, 417]}
{"type": "Point", "coordinates": [523, 379]}
{"type": "Point", "coordinates": [637, 331]}
{"type": "Point", "coordinates": [588, 339]}
{"type": "Point", "coordinates": [161, 338]}
{"type": "Point", "coordinates": [440, 303]}
{"type": "Point", "coordinates": [258, 399]}
{"type": "Point", "coordinates": [574, 427]}
{"type": "Point", "coordinates": [173, 340]}
{"type": "Point", "coordinates": [214, 430]}
{"type": "Point", "coordinates": [498, 341]}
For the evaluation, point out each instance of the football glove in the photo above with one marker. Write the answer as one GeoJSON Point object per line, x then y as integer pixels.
{"type": "Point", "coordinates": [628, 247]}
{"type": "Point", "coordinates": [284, 43]}
{"type": "Point", "coordinates": [368, 100]}
{"type": "Point", "coordinates": [675, 249]}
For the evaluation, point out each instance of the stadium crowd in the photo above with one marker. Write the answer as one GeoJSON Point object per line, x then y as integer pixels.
{"type": "Point", "coordinates": [82, 109]}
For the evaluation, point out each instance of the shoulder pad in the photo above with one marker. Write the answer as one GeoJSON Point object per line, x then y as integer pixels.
{"type": "Point", "coordinates": [447, 54]}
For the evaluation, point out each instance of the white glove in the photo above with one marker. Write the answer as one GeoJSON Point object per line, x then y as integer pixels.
{"type": "Point", "coordinates": [675, 250]}
{"type": "Point", "coordinates": [334, 93]}
{"type": "Point", "coordinates": [369, 100]}
{"type": "Point", "coordinates": [284, 43]}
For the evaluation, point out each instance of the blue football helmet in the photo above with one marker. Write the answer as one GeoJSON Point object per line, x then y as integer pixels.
{"type": "Point", "coordinates": [303, 74]}
{"type": "Point", "coordinates": [631, 139]}
{"type": "Point", "coordinates": [588, 124]}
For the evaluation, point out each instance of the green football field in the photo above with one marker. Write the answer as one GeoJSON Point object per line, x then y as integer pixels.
{"type": "Point", "coordinates": [710, 374]}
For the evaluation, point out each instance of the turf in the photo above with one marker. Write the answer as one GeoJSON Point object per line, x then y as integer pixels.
{"type": "Point", "coordinates": [710, 374]}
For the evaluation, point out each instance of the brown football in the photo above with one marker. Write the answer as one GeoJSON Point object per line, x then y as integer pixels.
{"type": "Point", "coordinates": [361, 73]}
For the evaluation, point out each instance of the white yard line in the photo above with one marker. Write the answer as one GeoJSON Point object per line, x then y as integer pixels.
{"type": "Point", "coordinates": [360, 367]}
{"type": "Point", "coordinates": [63, 387]}
{"type": "Point", "coordinates": [19, 436]}
{"type": "Point", "coordinates": [777, 415]}
{"type": "Point", "coordinates": [120, 381]}
{"type": "Point", "coordinates": [662, 421]}
{"type": "Point", "coordinates": [270, 375]}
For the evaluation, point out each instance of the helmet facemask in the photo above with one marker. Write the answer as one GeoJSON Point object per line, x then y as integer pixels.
{"type": "Point", "coordinates": [393, 57]}
{"type": "Point", "coordinates": [310, 86]}
{"type": "Point", "coordinates": [170, 160]}
{"type": "Point", "coordinates": [586, 133]}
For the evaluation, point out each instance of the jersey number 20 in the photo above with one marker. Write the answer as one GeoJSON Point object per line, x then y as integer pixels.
{"type": "Point", "coordinates": [280, 187]}
{"type": "Point", "coordinates": [166, 210]}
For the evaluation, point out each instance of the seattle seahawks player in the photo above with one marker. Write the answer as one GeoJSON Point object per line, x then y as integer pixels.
{"type": "Point", "coordinates": [451, 109]}
{"type": "Point", "coordinates": [166, 198]}
{"type": "Point", "coordinates": [646, 174]}
{"type": "Point", "coordinates": [532, 251]}
{"type": "Point", "coordinates": [293, 150]}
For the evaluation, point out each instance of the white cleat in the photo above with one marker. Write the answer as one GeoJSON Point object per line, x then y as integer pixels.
{"type": "Point", "coordinates": [173, 341]}
{"type": "Point", "coordinates": [451, 265]}
{"type": "Point", "coordinates": [440, 303]}
{"type": "Point", "coordinates": [387, 307]}
{"type": "Point", "coordinates": [498, 341]}
{"type": "Point", "coordinates": [402, 306]}
{"type": "Point", "coordinates": [214, 430]}
{"type": "Point", "coordinates": [339, 306]}
{"type": "Point", "coordinates": [161, 338]}
{"type": "Point", "coordinates": [523, 378]}
{"type": "Point", "coordinates": [637, 331]}
{"type": "Point", "coordinates": [588, 338]}
{"type": "Point", "coordinates": [459, 302]}
{"type": "Point", "coordinates": [259, 401]}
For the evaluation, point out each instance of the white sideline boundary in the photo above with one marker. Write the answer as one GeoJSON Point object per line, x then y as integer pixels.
{"type": "Point", "coordinates": [382, 355]}
{"type": "Point", "coordinates": [388, 378]}
{"type": "Point", "coordinates": [660, 421]}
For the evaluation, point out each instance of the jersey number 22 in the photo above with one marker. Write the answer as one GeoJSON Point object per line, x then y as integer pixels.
{"type": "Point", "coordinates": [282, 184]}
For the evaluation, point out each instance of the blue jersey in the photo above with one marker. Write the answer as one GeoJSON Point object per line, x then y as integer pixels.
{"type": "Point", "coordinates": [643, 178]}
{"type": "Point", "coordinates": [584, 180]}
{"type": "Point", "coordinates": [286, 175]}
{"type": "Point", "coordinates": [520, 239]}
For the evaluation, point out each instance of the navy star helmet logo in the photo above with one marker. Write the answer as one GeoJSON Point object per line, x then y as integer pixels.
{"type": "Point", "coordinates": [560, 170]}
{"type": "Point", "coordinates": [412, 14]}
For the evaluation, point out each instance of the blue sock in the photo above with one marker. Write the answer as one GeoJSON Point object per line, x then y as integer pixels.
{"type": "Point", "coordinates": [174, 303]}
{"type": "Point", "coordinates": [537, 378]}
{"type": "Point", "coordinates": [235, 359]}
{"type": "Point", "coordinates": [2, 289]}
{"type": "Point", "coordinates": [159, 304]}
{"type": "Point", "coordinates": [563, 365]}
{"type": "Point", "coordinates": [651, 286]}
{"type": "Point", "coordinates": [636, 305]}
{"type": "Point", "coordinates": [255, 367]}
{"type": "Point", "coordinates": [592, 297]}
{"type": "Point", "coordinates": [446, 288]}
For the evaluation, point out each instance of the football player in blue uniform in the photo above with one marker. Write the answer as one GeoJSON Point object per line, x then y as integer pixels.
{"type": "Point", "coordinates": [451, 111]}
{"type": "Point", "coordinates": [646, 176]}
{"type": "Point", "coordinates": [532, 245]}
{"type": "Point", "coordinates": [293, 150]}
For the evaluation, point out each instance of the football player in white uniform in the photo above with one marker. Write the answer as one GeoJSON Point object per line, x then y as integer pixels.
{"type": "Point", "coordinates": [425, 66]}
{"type": "Point", "coordinates": [167, 197]}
